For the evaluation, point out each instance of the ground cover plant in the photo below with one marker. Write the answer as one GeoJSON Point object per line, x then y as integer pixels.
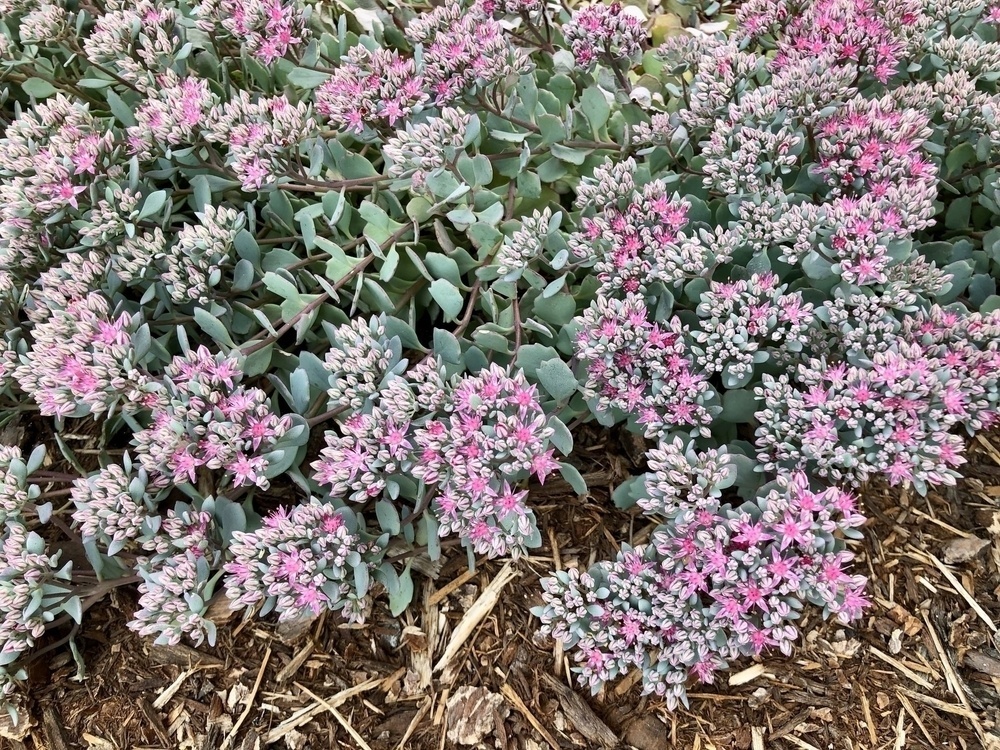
{"type": "Point", "coordinates": [328, 287]}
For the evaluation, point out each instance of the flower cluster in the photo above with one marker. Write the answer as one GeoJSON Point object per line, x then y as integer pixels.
{"type": "Point", "coordinates": [421, 150]}
{"type": "Point", "coordinates": [892, 414]}
{"type": "Point", "coordinates": [171, 115]}
{"type": "Point", "coordinates": [45, 24]}
{"type": "Point", "coordinates": [464, 49]}
{"type": "Point", "coordinates": [682, 481]}
{"type": "Point", "coordinates": [467, 441]}
{"type": "Point", "coordinates": [189, 267]}
{"type": "Point", "coordinates": [269, 29]}
{"type": "Point", "coordinates": [640, 242]}
{"type": "Point", "coordinates": [202, 417]}
{"type": "Point", "coordinates": [642, 367]}
{"type": "Point", "coordinates": [82, 360]}
{"type": "Point", "coordinates": [524, 245]}
{"type": "Point", "coordinates": [717, 583]}
{"type": "Point", "coordinates": [604, 31]}
{"type": "Point", "coordinates": [263, 136]}
{"type": "Point", "coordinates": [853, 33]}
{"type": "Point", "coordinates": [376, 89]}
{"type": "Point", "coordinates": [33, 590]}
{"type": "Point", "coordinates": [138, 40]}
{"type": "Point", "coordinates": [48, 158]}
{"type": "Point", "coordinates": [302, 561]}
{"type": "Point", "coordinates": [112, 507]}
{"type": "Point", "coordinates": [748, 322]}
{"type": "Point", "coordinates": [493, 428]}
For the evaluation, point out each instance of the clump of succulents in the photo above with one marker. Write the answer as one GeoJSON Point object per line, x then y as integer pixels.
{"type": "Point", "coordinates": [333, 281]}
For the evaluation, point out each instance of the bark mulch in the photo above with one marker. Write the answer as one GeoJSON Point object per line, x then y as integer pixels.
{"type": "Point", "coordinates": [464, 667]}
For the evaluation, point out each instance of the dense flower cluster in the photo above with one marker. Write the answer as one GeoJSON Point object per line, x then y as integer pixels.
{"type": "Point", "coordinates": [171, 115]}
{"type": "Point", "coordinates": [138, 40]}
{"type": "Point", "coordinates": [375, 89]}
{"type": "Point", "coordinates": [465, 440]}
{"type": "Point", "coordinates": [642, 367]}
{"type": "Point", "coordinates": [747, 322]}
{"type": "Point", "coordinates": [604, 31]}
{"type": "Point", "coordinates": [33, 588]}
{"type": "Point", "coordinates": [682, 481]}
{"type": "Point", "coordinates": [201, 417]}
{"type": "Point", "coordinates": [111, 506]}
{"type": "Point", "coordinates": [464, 49]}
{"type": "Point", "coordinates": [262, 136]}
{"type": "Point", "coordinates": [716, 583]}
{"type": "Point", "coordinates": [178, 577]}
{"type": "Point", "coordinates": [893, 414]}
{"type": "Point", "coordinates": [48, 158]}
{"type": "Point", "coordinates": [269, 29]}
{"type": "Point", "coordinates": [420, 150]}
{"type": "Point", "coordinates": [189, 265]}
{"type": "Point", "coordinates": [304, 560]}
{"type": "Point", "coordinates": [526, 244]}
{"type": "Point", "coordinates": [82, 361]}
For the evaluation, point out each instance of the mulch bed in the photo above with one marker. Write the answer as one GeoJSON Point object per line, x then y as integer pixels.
{"type": "Point", "coordinates": [464, 664]}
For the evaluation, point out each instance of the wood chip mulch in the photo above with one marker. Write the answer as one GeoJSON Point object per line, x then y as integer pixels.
{"type": "Point", "coordinates": [464, 668]}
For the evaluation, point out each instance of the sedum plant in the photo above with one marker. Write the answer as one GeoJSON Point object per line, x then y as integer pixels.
{"type": "Point", "coordinates": [329, 284]}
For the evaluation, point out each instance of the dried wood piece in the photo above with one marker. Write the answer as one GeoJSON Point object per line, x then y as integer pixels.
{"type": "Point", "coordinates": [896, 664]}
{"type": "Point", "coordinates": [305, 715]}
{"type": "Point", "coordinates": [248, 702]}
{"type": "Point", "coordinates": [151, 716]}
{"type": "Point", "coordinates": [297, 661]}
{"type": "Point", "coordinates": [341, 719]}
{"type": "Point", "coordinates": [475, 614]}
{"type": "Point", "coordinates": [171, 690]}
{"type": "Point", "coordinates": [472, 715]}
{"type": "Point", "coordinates": [182, 656]}
{"type": "Point", "coordinates": [963, 549]}
{"type": "Point", "coordinates": [515, 700]}
{"type": "Point", "coordinates": [581, 715]}
{"type": "Point", "coordinates": [981, 662]}
{"type": "Point", "coordinates": [415, 722]}
{"type": "Point", "coordinates": [52, 723]}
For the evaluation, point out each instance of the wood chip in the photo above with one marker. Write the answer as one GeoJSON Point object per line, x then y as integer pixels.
{"type": "Point", "coordinates": [98, 743]}
{"type": "Point", "coordinates": [963, 550]}
{"type": "Point", "coordinates": [341, 719]}
{"type": "Point", "coordinates": [957, 585]}
{"type": "Point", "coordinates": [297, 661]}
{"type": "Point", "coordinates": [450, 588]}
{"type": "Point", "coordinates": [475, 614]}
{"type": "Point", "coordinates": [305, 715]}
{"type": "Point", "coordinates": [471, 715]}
{"type": "Point", "coordinates": [52, 723]}
{"type": "Point", "coordinates": [940, 705]}
{"type": "Point", "coordinates": [171, 690]}
{"type": "Point", "coordinates": [183, 656]}
{"type": "Point", "coordinates": [977, 660]}
{"type": "Point", "coordinates": [866, 709]}
{"type": "Point", "coordinates": [154, 720]}
{"type": "Point", "coordinates": [581, 715]}
{"type": "Point", "coordinates": [248, 701]}
{"type": "Point", "coordinates": [908, 707]}
{"type": "Point", "coordinates": [417, 718]}
{"type": "Point", "coordinates": [749, 674]}
{"type": "Point", "coordinates": [515, 700]}
{"type": "Point", "coordinates": [902, 668]}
